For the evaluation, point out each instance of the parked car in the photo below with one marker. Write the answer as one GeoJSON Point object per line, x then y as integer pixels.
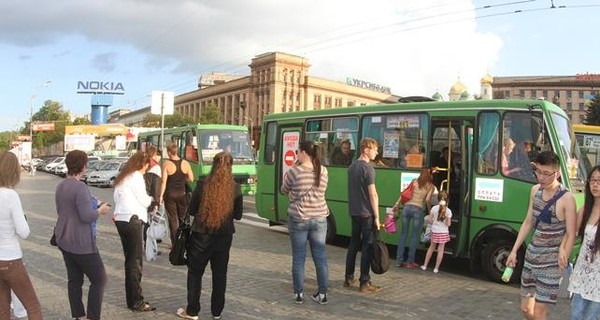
{"type": "Point", "coordinates": [91, 166]}
{"type": "Point", "coordinates": [61, 170]}
{"type": "Point", "coordinates": [105, 176]}
{"type": "Point", "coordinates": [50, 166]}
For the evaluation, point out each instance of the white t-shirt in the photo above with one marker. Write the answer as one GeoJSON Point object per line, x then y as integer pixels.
{"type": "Point", "coordinates": [585, 278]}
{"type": "Point", "coordinates": [12, 225]}
{"type": "Point", "coordinates": [439, 226]}
{"type": "Point", "coordinates": [131, 198]}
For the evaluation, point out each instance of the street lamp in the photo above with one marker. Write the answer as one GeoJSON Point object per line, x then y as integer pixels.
{"type": "Point", "coordinates": [45, 84]}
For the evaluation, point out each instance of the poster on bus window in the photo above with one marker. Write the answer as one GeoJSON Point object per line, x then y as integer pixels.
{"type": "Point", "coordinates": [391, 144]}
{"type": "Point", "coordinates": [489, 189]}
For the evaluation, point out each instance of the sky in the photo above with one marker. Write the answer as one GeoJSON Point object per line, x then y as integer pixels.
{"type": "Point", "coordinates": [415, 47]}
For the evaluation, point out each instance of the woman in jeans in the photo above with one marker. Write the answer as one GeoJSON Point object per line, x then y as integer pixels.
{"type": "Point", "coordinates": [413, 213]}
{"type": "Point", "coordinates": [131, 203]}
{"type": "Point", "coordinates": [75, 233]}
{"type": "Point", "coordinates": [13, 226]}
{"type": "Point", "coordinates": [305, 185]}
{"type": "Point", "coordinates": [216, 202]}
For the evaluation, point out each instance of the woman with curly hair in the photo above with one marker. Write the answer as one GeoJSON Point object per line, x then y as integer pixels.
{"type": "Point", "coordinates": [216, 201]}
{"type": "Point", "coordinates": [131, 203]}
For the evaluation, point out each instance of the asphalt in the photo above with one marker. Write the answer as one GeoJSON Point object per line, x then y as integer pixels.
{"type": "Point", "coordinates": [259, 277]}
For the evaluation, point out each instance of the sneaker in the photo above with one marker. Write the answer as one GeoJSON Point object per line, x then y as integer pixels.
{"type": "Point", "coordinates": [423, 268]}
{"type": "Point", "coordinates": [412, 265]}
{"type": "Point", "coordinates": [350, 282]}
{"type": "Point", "coordinates": [369, 288]}
{"type": "Point", "coordinates": [436, 270]}
{"type": "Point", "coordinates": [218, 317]}
{"type": "Point", "coordinates": [183, 314]}
{"type": "Point", "coordinates": [398, 264]}
{"type": "Point", "coordinates": [299, 298]}
{"type": "Point", "coordinates": [320, 298]}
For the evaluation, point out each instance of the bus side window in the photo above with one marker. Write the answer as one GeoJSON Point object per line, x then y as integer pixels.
{"type": "Point", "coordinates": [487, 153]}
{"type": "Point", "coordinates": [271, 138]}
{"type": "Point", "coordinates": [191, 147]}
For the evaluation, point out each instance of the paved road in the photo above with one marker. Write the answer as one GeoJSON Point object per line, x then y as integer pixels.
{"type": "Point", "coordinates": [259, 284]}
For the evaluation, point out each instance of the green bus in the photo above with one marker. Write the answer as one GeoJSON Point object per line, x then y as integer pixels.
{"type": "Point", "coordinates": [488, 204]}
{"type": "Point", "coordinates": [588, 139]}
{"type": "Point", "coordinates": [199, 143]}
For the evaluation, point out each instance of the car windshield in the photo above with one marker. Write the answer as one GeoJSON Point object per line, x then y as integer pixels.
{"type": "Point", "coordinates": [94, 165]}
{"type": "Point", "coordinates": [110, 166]}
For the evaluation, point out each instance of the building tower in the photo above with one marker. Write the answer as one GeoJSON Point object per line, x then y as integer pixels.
{"type": "Point", "coordinates": [486, 87]}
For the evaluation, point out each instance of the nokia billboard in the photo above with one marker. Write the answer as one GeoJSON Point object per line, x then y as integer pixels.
{"type": "Point", "coordinates": [100, 87]}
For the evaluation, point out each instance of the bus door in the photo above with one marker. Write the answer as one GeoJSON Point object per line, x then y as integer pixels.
{"type": "Point", "coordinates": [289, 141]}
{"type": "Point", "coordinates": [452, 145]}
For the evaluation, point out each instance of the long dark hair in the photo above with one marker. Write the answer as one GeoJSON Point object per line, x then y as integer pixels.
{"type": "Point", "coordinates": [425, 178]}
{"type": "Point", "coordinates": [587, 209]}
{"type": "Point", "coordinates": [442, 195]}
{"type": "Point", "coordinates": [218, 192]}
{"type": "Point", "coordinates": [313, 151]}
{"type": "Point", "coordinates": [135, 163]}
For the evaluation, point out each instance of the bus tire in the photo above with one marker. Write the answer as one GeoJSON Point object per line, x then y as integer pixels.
{"type": "Point", "coordinates": [330, 236]}
{"type": "Point", "coordinates": [494, 259]}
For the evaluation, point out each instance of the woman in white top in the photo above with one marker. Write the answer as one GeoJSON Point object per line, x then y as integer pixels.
{"type": "Point", "coordinates": [584, 283]}
{"type": "Point", "coordinates": [13, 226]}
{"type": "Point", "coordinates": [131, 204]}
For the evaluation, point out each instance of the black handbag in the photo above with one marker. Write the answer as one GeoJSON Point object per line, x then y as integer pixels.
{"type": "Point", "coordinates": [380, 260]}
{"type": "Point", "coordinates": [53, 239]}
{"type": "Point", "coordinates": [178, 254]}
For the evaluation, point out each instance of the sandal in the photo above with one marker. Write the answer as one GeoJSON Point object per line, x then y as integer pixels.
{"type": "Point", "coordinates": [144, 307]}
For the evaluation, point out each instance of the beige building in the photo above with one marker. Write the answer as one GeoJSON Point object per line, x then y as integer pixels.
{"type": "Point", "coordinates": [571, 93]}
{"type": "Point", "coordinates": [278, 82]}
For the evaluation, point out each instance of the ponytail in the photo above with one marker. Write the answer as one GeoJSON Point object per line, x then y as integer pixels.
{"type": "Point", "coordinates": [314, 152]}
{"type": "Point", "coordinates": [442, 205]}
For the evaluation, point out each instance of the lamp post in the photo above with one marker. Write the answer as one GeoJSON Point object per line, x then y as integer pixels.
{"type": "Point", "coordinates": [45, 84]}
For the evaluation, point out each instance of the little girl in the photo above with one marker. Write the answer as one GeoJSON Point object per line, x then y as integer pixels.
{"type": "Point", "coordinates": [440, 219]}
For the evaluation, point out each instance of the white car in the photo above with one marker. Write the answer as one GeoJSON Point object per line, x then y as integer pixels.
{"type": "Point", "coordinates": [106, 175]}
{"type": "Point", "coordinates": [61, 170]}
{"type": "Point", "coordinates": [50, 166]}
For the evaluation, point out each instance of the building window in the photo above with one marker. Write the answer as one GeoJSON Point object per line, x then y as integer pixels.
{"type": "Point", "coordinates": [569, 94]}
{"type": "Point", "coordinates": [506, 94]}
{"type": "Point", "coordinates": [581, 106]}
{"type": "Point", "coordinates": [533, 94]}
{"type": "Point", "coordinates": [317, 102]}
{"type": "Point", "coordinates": [581, 94]}
{"type": "Point", "coordinates": [569, 106]}
{"type": "Point", "coordinates": [522, 94]}
{"type": "Point", "coordinates": [545, 94]}
{"type": "Point", "coordinates": [350, 104]}
{"type": "Point", "coordinates": [327, 102]}
{"type": "Point", "coordinates": [338, 102]}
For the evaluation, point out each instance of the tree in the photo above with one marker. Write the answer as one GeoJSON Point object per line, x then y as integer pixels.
{"type": "Point", "coordinates": [81, 121]}
{"type": "Point", "coordinates": [51, 111]}
{"type": "Point", "coordinates": [211, 114]}
{"type": "Point", "coordinates": [592, 115]}
{"type": "Point", "coordinates": [174, 120]}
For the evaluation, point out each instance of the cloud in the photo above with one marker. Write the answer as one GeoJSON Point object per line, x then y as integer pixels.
{"type": "Point", "coordinates": [414, 47]}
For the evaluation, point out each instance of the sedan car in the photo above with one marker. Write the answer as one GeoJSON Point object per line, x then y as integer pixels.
{"type": "Point", "coordinates": [52, 165]}
{"type": "Point", "coordinates": [106, 175]}
{"type": "Point", "coordinates": [93, 165]}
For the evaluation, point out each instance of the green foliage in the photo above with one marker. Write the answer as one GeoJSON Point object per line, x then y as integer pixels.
{"type": "Point", "coordinates": [175, 120]}
{"type": "Point", "coordinates": [211, 114]}
{"type": "Point", "coordinates": [5, 138]}
{"type": "Point", "coordinates": [51, 111]}
{"type": "Point", "coordinates": [592, 114]}
{"type": "Point", "coordinates": [81, 121]}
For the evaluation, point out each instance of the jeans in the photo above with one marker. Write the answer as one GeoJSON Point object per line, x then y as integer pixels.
{"type": "Point", "coordinates": [363, 233]}
{"type": "Point", "coordinates": [582, 309]}
{"type": "Point", "coordinates": [131, 234]}
{"type": "Point", "coordinates": [90, 265]}
{"type": "Point", "coordinates": [313, 230]}
{"type": "Point", "coordinates": [13, 275]}
{"type": "Point", "coordinates": [176, 208]}
{"type": "Point", "coordinates": [204, 248]}
{"type": "Point", "coordinates": [415, 214]}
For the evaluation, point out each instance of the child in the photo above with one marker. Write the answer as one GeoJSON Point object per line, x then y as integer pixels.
{"type": "Point", "coordinates": [440, 219]}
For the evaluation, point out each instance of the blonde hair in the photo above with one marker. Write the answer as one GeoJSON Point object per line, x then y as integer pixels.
{"type": "Point", "coordinates": [367, 143]}
{"type": "Point", "coordinates": [218, 192]}
{"type": "Point", "coordinates": [10, 171]}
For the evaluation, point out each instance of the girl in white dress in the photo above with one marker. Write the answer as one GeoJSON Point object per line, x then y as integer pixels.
{"type": "Point", "coordinates": [440, 218]}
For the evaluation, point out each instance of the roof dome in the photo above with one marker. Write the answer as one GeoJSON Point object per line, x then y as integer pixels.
{"type": "Point", "coordinates": [458, 88]}
{"type": "Point", "coordinates": [465, 95]}
{"type": "Point", "coordinates": [487, 79]}
{"type": "Point", "coordinates": [437, 96]}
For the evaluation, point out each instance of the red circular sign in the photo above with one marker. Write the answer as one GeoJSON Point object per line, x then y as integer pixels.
{"type": "Point", "coordinates": [289, 158]}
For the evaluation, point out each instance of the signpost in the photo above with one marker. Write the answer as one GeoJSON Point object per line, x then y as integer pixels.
{"type": "Point", "coordinates": [163, 102]}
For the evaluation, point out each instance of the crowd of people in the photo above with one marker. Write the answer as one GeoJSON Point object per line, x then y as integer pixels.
{"type": "Point", "coordinates": [552, 222]}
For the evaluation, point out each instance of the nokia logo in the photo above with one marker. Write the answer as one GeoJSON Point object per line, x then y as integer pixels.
{"type": "Point", "coordinates": [100, 87]}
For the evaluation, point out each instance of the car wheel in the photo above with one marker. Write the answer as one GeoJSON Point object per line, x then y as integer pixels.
{"type": "Point", "coordinates": [111, 182]}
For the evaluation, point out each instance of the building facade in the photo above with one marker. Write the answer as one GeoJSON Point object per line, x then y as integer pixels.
{"type": "Point", "coordinates": [278, 82]}
{"type": "Point", "coordinates": [571, 93]}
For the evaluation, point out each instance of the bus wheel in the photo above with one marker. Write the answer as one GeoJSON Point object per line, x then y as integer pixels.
{"type": "Point", "coordinates": [330, 236]}
{"type": "Point", "coordinates": [494, 259]}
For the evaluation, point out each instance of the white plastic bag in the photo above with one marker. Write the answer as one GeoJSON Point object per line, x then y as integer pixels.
{"type": "Point", "coordinates": [151, 249]}
{"type": "Point", "coordinates": [158, 227]}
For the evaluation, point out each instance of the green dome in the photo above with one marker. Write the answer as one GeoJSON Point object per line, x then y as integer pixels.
{"type": "Point", "coordinates": [464, 96]}
{"type": "Point", "coordinates": [437, 96]}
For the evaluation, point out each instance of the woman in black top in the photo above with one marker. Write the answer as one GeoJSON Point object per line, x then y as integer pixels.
{"type": "Point", "coordinates": [216, 202]}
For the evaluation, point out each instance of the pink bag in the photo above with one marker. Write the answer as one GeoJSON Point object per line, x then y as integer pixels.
{"type": "Point", "coordinates": [389, 224]}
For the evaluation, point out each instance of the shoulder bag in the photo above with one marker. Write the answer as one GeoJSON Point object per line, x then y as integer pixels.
{"type": "Point", "coordinates": [407, 193]}
{"type": "Point", "coordinates": [380, 259]}
{"type": "Point", "coordinates": [178, 254]}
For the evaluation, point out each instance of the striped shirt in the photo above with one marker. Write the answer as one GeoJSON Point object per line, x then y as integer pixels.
{"type": "Point", "coordinates": [307, 201]}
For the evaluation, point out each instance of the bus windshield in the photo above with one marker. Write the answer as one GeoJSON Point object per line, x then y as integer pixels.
{"type": "Point", "coordinates": [571, 152]}
{"type": "Point", "coordinates": [237, 143]}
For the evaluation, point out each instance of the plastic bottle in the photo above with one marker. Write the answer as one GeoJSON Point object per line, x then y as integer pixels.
{"type": "Point", "coordinates": [508, 271]}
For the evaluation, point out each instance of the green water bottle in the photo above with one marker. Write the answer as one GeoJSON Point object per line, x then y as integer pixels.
{"type": "Point", "coordinates": [508, 271]}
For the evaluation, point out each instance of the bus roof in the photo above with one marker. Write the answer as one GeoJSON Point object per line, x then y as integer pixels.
{"type": "Point", "coordinates": [199, 126]}
{"type": "Point", "coordinates": [586, 128]}
{"type": "Point", "coordinates": [423, 106]}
